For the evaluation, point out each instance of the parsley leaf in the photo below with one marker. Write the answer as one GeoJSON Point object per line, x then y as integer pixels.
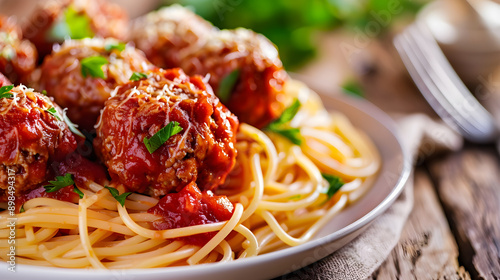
{"type": "Point", "coordinates": [78, 191]}
{"type": "Point", "coordinates": [335, 183]}
{"type": "Point", "coordinates": [160, 137]}
{"type": "Point", "coordinates": [227, 84]}
{"type": "Point", "coordinates": [137, 76]}
{"type": "Point", "coordinates": [21, 210]}
{"type": "Point", "coordinates": [93, 66]}
{"type": "Point", "coordinates": [59, 183]}
{"type": "Point", "coordinates": [78, 24]}
{"type": "Point", "coordinates": [72, 126]}
{"type": "Point", "coordinates": [295, 197]}
{"type": "Point", "coordinates": [119, 197]}
{"type": "Point", "coordinates": [53, 112]}
{"type": "Point", "coordinates": [115, 46]}
{"type": "Point", "coordinates": [5, 91]}
{"type": "Point", "coordinates": [44, 92]}
{"type": "Point", "coordinates": [279, 125]}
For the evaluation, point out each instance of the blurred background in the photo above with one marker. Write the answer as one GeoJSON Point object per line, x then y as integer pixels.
{"type": "Point", "coordinates": [348, 44]}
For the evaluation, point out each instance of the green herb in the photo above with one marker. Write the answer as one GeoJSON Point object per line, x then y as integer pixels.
{"type": "Point", "coordinates": [280, 125]}
{"type": "Point", "coordinates": [72, 126]}
{"type": "Point", "coordinates": [53, 112]}
{"type": "Point", "coordinates": [227, 84]}
{"type": "Point", "coordinates": [160, 137]}
{"type": "Point", "coordinates": [59, 183]}
{"type": "Point", "coordinates": [295, 197]}
{"type": "Point", "coordinates": [119, 197]}
{"type": "Point", "coordinates": [78, 191]}
{"type": "Point", "coordinates": [334, 184]}
{"type": "Point", "coordinates": [115, 46]}
{"type": "Point", "coordinates": [353, 88]}
{"type": "Point", "coordinates": [136, 76]}
{"type": "Point", "coordinates": [5, 91]}
{"type": "Point", "coordinates": [44, 92]}
{"type": "Point", "coordinates": [93, 66]}
{"type": "Point", "coordinates": [74, 25]}
{"type": "Point", "coordinates": [21, 210]}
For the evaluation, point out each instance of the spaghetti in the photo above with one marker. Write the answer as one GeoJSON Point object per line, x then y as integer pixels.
{"type": "Point", "coordinates": [279, 192]}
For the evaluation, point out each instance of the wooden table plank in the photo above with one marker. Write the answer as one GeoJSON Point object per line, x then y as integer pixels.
{"type": "Point", "coordinates": [468, 184]}
{"type": "Point", "coordinates": [427, 249]}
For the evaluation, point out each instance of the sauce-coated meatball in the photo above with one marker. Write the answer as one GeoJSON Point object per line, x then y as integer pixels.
{"type": "Point", "coordinates": [32, 137]}
{"type": "Point", "coordinates": [176, 37]}
{"type": "Point", "coordinates": [62, 77]}
{"type": "Point", "coordinates": [257, 96]}
{"type": "Point", "coordinates": [169, 34]}
{"type": "Point", "coordinates": [203, 151]}
{"type": "Point", "coordinates": [17, 56]}
{"type": "Point", "coordinates": [55, 20]}
{"type": "Point", "coordinates": [4, 81]}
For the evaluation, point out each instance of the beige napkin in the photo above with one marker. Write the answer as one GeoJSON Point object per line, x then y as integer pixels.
{"type": "Point", "coordinates": [422, 137]}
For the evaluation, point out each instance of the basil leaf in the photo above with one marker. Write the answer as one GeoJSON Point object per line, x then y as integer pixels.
{"type": "Point", "coordinates": [227, 84]}
{"type": "Point", "coordinates": [334, 182]}
{"type": "Point", "coordinates": [137, 76]}
{"type": "Point", "coordinates": [280, 124]}
{"type": "Point", "coordinates": [93, 66]}
{"type": "Point", "coordinates": [160, 137]}
{"type": "Point", "coordinates": [5, 91]}
{"type": "Point", "coordinates": [53, 112]}
{"type": "Point", "coordinates": [59, 183]}
{"type": "Point", "coordinates": [78, 191]}
{"type": "Point", "coordinates": [288, 114]}
{"type": "Point", "coordinates": [292, 134]}
{"type": "Point", "coordinates": [21, 210]}
{"type": "Point", "coordinates": [115, 46]}
{"type": "Point", "coordinates": [120, 198]}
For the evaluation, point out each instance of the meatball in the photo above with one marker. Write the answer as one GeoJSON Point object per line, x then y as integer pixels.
{"type": "Point", "coordinates": [56, 20]}
{"type": "Point", "coordinates": [62, 77]}
{"type": "Point", "coordinates": [4, 81]}
{"type": "Point", "coordinates": [166, 35]}
{"type": "Point", "coordinates": [203, 152]}
{"type": "Point", "coordinates": [257, 97]}
{"type": "Point", "coordinates": [17, 56]}
{"type": "Point", "coordinates": [33, 136]}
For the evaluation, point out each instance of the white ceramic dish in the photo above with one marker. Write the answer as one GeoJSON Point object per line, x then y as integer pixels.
{"type": "Point", "coordinates": [338, 232]}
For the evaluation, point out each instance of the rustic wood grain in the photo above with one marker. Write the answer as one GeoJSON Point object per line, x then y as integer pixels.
{"type": "Point", "coordinates": [426, 249]}
{"type": "Point", "coordinates": [468, 184]}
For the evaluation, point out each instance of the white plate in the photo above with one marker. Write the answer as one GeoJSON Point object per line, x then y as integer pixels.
{"type": "Point", "coordinates": [338, 232]}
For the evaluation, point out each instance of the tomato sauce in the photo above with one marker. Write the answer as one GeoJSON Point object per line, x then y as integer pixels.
{"type": "Point", "coordinates": [191, 207]}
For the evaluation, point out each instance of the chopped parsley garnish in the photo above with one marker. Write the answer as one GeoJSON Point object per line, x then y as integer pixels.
{"type": "Point", "coordinates": [280, 125]}
{"type": "Point", "coordinates": [227, 84]}
{"type": "Point", "coordinates": [78, 191]}
{"type": "Point", "coordinates": [44, 92]}
{"type": "Point", "coordinates": [137, 76]}
{"type": "Point", "coordinates": [119, 197]}
{"type": "Point", "coordinates": [295, 197]}
{"type": "Point", "coordinates": [5, 91]}
{"type": "Point", "coordinates": [115, 46]}
{"type": "Point", "coordinates": [93, 66]}
{"type": "Point", "coordinates": [72, 126]}
{"type": "Point", "coordinates": [74, 25]}
{"type": "Point", "coordinates": [21, 210]}
{"type": "Point", "coordinates": [59, 183]}
{"type": "Point", "coordinates": [53, 112]}
{"type": "Point", "coordinates": [160, 137]}
{"type": "Point", "coordinates": [334, 184]}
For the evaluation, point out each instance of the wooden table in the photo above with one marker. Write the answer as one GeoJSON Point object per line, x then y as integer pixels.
{"type": "Point", "coordinates": [453, 231]}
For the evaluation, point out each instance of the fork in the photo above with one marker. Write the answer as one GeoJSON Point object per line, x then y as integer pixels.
{"type": "Point", "coordinates": [440, 85]}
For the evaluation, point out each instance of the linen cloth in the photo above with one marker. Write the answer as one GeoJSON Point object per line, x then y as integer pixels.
{"type": "Point", "coordinates": [421, 137]}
